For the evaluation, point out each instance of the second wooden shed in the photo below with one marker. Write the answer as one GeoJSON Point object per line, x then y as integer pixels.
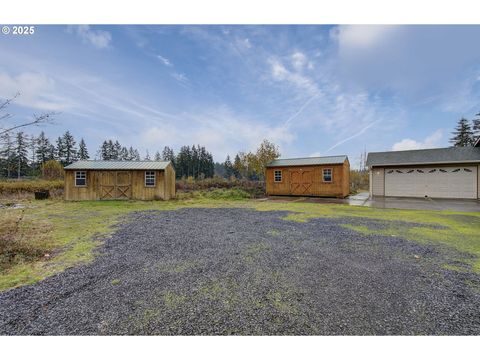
{"type": "Point", "coordinates": [327, 176]}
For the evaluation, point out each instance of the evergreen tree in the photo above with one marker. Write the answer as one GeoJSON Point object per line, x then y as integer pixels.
{"type": "Point", "coordinates": [463, 135]}
{"type": "Point", "coordinates": [228, 167]}
{"type": "Point", "coordinates": [69, 149]}
{"type": "Point", "coordinates": [476, 127]}
{"type": "Point", "coordinates": [21, 153]}
{"type": "Point", "coordinates": [116, 150]}
{"type": "Point", "coordinates": [7, 159]}
{"type": "Point", "coordinates": [133, 154]}
{"type": "Point", "coordinates": [33, 152]}
{"type": "Point", "coordinates": [60, 150]}
{"type": "Point", "coordinates": [237, 167]}
{"type": "Point", "coordinates": [147, 156]}
{"type": "Point", "coordinates": [82, 150]}
{"type": "Point", "coordinates": [44, 149]}
{"type": "Point", "coordinates": [158, 157]}
{"type": "Point", "coordinates": [168, 155]}
{"type": "Point", "coordinates": [123, 154]}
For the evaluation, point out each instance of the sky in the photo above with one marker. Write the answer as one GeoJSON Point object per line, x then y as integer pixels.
{"type": "Point", "coordinates": [312, 90]}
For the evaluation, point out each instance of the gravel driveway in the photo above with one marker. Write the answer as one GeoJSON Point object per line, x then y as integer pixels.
{"type": "Point", "coordinates": [239, 271]}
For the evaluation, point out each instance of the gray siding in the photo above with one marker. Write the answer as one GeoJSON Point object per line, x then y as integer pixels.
{"type": "Point", "coordinates": [378, 181]}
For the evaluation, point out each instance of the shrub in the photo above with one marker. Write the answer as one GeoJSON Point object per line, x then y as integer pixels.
{"type": "Point", "coordinates": [15, 186]}
{"type": "Point", "coordinates": [227, 194]}
{"type": "Point", "coordinates": [253, 188]}
{"type": "Point", "coordinates": [52, 170]}
{"type": "Point", "coordinates": [21, 240]}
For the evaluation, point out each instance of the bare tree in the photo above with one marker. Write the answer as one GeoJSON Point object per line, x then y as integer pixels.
{"type": "Point", "coordinates": [37, 119]}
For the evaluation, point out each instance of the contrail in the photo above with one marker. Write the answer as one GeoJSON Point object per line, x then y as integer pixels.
{"type": "Point", "coordinates": [353, 136]}
{"type": "Point", "coordinates": [287, 122]}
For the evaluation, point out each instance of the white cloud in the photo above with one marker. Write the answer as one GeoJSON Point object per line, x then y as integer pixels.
{"type": "Point", "coordinates": [98, 38]}
{"type": "Point", "coordinates": [180, 77]}
{"type": "Point", "coordinates": [299, 60]}
{"type": "Point", "coordinates": [36, 90]}
{"type": "Point", "coordinates": [361, 36]}
{"type": "Point", "coordinates": [281, 74]}
{"type": "Point", "coordinates": [430, 141]}
{"type": "Point", "coordinates": [164, 60]}
{"type": "Point", "coordinates": [220, 130]}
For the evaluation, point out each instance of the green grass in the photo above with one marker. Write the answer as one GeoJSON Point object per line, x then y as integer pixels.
{"type": "Point", "coordinates": [73, 230]}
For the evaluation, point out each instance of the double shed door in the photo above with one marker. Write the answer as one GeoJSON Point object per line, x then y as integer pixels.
{"type": "Point", "coordinates": [301, 182]}
{"type": "Point", "coordinates": [115, 185]}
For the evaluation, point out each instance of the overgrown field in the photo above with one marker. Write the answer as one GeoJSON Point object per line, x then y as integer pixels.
{"type": "Point", "coordinates": [48, 236]}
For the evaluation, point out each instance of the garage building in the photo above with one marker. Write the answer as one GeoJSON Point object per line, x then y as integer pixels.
{"type": "Point", "coordinates": [119, 180]}
{"type": "Point", "coordinates": [327, 176]}
{"type": "Point", "coordinates": [438, 173]}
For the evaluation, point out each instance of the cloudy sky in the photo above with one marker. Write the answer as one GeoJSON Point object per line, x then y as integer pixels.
{"type": "Point", "coordinates": [313, 90]}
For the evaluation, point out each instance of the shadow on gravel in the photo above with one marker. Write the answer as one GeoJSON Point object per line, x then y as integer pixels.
{"type": "Point", "coordinates": [238, 271]}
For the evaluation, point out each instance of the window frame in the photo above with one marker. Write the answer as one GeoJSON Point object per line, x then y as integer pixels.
{"type": "Point", "coordinates": [275, 176]}
{"type": "Point", "coordinates": [331, 175]}
{"type": "Point", "coordinates": [149, 175]}
{"type": "Point", "coordinates": [80, 178]}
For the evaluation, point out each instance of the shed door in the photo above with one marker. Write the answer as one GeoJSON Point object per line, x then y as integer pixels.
{"type": "Point", "coordinates": [115, 185]}
{"type": "Point", "coordinates": [301, 182]}
{"type": "Point", "coordinates": [437, 182]}
{"type": "Point", "coordinates": [123, 189]}
{"type": "Point", "coordinates": [107, 185]}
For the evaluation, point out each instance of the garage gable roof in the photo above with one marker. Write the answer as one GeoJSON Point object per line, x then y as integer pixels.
{"type": "Point", "coordinates": [117, 165]}
{"type": "Point", "coordinates": [426, 156]}
{"type": "Point", "coordinates": [323, 160]}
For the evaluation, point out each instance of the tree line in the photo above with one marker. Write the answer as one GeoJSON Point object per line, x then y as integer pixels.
{"type": "Point", "coordinates": [23, 155]}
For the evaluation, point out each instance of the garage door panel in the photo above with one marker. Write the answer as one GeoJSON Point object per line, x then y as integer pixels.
{"type": "Point", "coordinates": [441, 182]}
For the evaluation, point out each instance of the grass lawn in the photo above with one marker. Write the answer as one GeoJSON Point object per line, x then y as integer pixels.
{"type": "Point", "coordinates": [67, 233]}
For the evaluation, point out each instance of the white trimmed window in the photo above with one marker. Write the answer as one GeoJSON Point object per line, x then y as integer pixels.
{"type": "Point", "coordinates": [327, 175]}
{"type": "Point", "coordinates": [150, 178]}
{"type": "Point", "coordinates": [277, 176]}
{"type": "Point", "coordinates": [80, 178]}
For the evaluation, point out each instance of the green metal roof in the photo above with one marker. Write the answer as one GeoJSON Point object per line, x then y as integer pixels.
{"type": "Point", "coordinates": [117, 165]}
{"type": "Point", "coordinates": [426, 156]}
{"type": "Point", "coordinates": [323, 160]}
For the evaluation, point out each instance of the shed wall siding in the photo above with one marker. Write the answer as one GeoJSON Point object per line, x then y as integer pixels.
{"type": "Point", "coordinates": [378, 181]}
{"type": "Point", "coordinates": [138, 189]}
{"type": "Point", "coordinates": [339, 187]}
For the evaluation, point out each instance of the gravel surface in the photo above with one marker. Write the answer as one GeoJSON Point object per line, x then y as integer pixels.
{"type": "Point", "coordinates": [238, 271]}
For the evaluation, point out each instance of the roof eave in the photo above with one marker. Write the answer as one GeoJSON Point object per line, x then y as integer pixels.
{"type": "Point", "coordinates": [426, 163]}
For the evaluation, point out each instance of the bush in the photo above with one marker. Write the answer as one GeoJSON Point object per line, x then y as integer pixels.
{"type": "Point", "coordinates": [52, 170]}
{"type": "Point", "coordinates": [359, 180]}
{"type": "Point", "coordinates": [15, 186]}
{"type": "Point", "coordinates": [253, 188]}
{"type": "Point", "coordinates": [227, 194]}
{"type": "Point", "coordinates": [21, 240]}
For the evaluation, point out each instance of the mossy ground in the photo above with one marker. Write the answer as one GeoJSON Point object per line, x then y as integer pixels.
{"type": "Point", "coordinates": [76, 229]}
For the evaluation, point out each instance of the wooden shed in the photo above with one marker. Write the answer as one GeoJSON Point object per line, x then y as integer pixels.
{"type": "Point", "coordinates": [327, 176]}
{"type": "Point", "coordinates": [119, 180]}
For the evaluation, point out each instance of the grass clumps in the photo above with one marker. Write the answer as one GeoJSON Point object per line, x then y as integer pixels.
{"type": "Point", "coordinates": [217, 194]}
{"type": "Point", "coordinates": [22, 240]}
{"type": "Point", "coordinates": [12, 186]}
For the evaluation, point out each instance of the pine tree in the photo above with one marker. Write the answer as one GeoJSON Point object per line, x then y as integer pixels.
{"type": "Point", "coordinates": [33, 151]}
{"type": "Point", "coordinates": [228, 167]}
{"type": "Point", "coordinates": [158, 157]}
{"type": "Point", "coordinates": [116, 150]}
{"type": "Point", "coordinates": [7, 159]}
{"type": "Point", "coordinates": [463, 135]}
{"type": "Point", "coordinates": [123, 154]}
{"type": "Point", "coordinates": [44, 149]}
{"type": "Point", "coordinates": [147, 156]}
{"type": "Point", "coordinates": [21, 153]}
{"type": "Point", "coordinates": [237, 167]}
{"type": "Point", "coordinates": [82, 150]}
{"type": "Point", "coordinates": [168, 155]}
{"type": "Point", "coordinates": [133, 154]}
{"type": "Point", "coordinates": [70, 151]}
{"type": "Point", "coordinates": [476, 127]}
{"type": "Point", "coordinates": [60, 150]}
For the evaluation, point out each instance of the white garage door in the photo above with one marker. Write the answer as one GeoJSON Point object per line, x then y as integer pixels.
{"type": "Point", "coordinates": [436, 182]}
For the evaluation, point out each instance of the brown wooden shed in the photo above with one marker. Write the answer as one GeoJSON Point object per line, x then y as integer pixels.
{"type": "Point", "coordinates": [119, 180]}
{"type": "Point", "coordinates": [327, 176]}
